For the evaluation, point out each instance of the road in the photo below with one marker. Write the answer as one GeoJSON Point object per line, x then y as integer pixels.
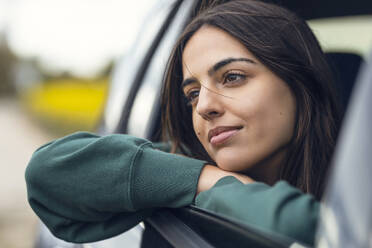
{"type": "Point", "coordinates": [19, 137]}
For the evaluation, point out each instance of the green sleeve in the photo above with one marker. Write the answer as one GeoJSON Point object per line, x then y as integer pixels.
{"type": "Point", "coordinates": [281, 208]}
{"type": "Point", "coordinates": [87, 188]}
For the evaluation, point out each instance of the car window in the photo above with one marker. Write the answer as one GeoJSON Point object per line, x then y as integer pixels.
{"type": "Point", "coordinates": [126, 70]}
{"type": "Point", "coordinates": [346, 41]}
{"type": "Point", "coordinates": [349, 34]}
{"type": "Point", "coordinates": [147, 99]}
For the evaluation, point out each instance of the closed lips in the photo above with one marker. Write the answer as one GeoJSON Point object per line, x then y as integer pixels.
{"type": "Point", "coordinates": [218, 130]}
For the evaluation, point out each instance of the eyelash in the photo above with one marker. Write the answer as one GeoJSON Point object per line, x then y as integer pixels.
{"type": "Point", "coordinates": [227, 74]}
{"type": "Point", "coordinates": [190, 99]}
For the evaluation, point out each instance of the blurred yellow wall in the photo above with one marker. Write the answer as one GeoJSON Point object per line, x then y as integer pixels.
{"type": "Point", "coordinates": [67, 105]}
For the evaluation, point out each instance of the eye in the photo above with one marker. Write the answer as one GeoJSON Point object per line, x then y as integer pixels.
{"type": "Point", "coordinates": [233, 78]}
{"type": "Point", "coordinates": [192, 96]}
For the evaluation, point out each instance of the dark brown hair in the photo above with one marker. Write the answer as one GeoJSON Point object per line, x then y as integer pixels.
{"type": "Point", "coordinates": [285, 44]}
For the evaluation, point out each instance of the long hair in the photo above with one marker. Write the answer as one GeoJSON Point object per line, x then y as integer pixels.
{"type": "Point", "coordinates": [285, 44]}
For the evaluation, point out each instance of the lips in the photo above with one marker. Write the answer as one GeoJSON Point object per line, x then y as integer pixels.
{"type": "Point", "coordinates": [219, 135]}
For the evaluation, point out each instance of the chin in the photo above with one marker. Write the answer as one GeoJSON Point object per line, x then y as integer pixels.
{"type": "Point", "coordinates": [234, 162]}
{"type": "Point", "coordinates": [235, 167]}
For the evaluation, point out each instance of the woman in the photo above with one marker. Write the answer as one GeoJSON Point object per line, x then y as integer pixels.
{"type": "Point", "coordinates": [259, 122]}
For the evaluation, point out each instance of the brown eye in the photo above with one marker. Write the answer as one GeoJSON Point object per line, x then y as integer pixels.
{"type": "Point", "coordinates": [232, 78]}
{"type": "Point", "coordinates": [192, 95]}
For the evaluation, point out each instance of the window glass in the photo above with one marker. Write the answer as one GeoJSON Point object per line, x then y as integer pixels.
{"type": "Point", "coordinates": [148, 95]}
{"type": "Point", "coordinates": [126, 69]}
{"type": "Point", "coordinates": [349, 34]}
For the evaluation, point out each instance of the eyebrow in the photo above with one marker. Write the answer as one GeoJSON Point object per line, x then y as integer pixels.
{"type": "Point", "coordinates": [227, 61]}
{"type": "Point", "coordinates": [216, 67]}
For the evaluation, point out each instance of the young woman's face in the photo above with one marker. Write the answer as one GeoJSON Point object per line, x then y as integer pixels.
{"type": "Point", "coordinates": [243, 114]}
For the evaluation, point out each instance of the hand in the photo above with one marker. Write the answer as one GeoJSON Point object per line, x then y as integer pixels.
{"type": "Point", "coordinates": [211, 174]}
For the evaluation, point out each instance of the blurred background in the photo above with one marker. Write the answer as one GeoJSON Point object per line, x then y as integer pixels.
{"type": "Point", "coordinates": [55, 61]}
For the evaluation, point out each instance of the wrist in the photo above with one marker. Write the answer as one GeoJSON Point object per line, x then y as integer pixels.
{"type": "Point", "coordinates": [210, 175]}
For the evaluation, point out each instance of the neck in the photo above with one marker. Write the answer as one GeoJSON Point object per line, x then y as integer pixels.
{"type": "Point", "coordinates": [268, 170]}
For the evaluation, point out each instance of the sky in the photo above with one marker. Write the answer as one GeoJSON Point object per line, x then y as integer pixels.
{"type": "Point", "coordinates": [68, 35]}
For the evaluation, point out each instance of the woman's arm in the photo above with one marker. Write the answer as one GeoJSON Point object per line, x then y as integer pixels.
{"type": "Point", "coordinates": [87, 188]}
{"type": "Point", "coordinates": [210, 175]}
{"type": "Point", "coordinates": [281, 208]}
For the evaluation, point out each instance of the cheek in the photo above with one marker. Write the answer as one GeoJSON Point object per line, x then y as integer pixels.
{"type": "Point", "coordinates": [274, 108]}
{"type": "Point", "coordinates": [198, 127]}
{"type": "Point", "coordinates": [269, 126]}
{"type": "Point", "coordinates": [286, 113]}
{"type": "Point", "coordinates": [280, 120]}
{"type": "Point", "coordinates": [277, 117]}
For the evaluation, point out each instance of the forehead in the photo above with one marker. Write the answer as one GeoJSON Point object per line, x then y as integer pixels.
{"type": "Point", "coordinates": [208, 46]}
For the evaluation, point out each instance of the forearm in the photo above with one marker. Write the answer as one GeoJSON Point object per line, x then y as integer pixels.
{"type": "Point", "coordinates": [86, 187]}
{"type": "Point", "coordinates": [281, 208]}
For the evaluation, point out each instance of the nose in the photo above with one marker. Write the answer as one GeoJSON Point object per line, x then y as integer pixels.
{"type": "Point", "coordinates": [209, 106]}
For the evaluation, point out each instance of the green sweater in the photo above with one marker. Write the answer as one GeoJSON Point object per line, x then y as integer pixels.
{"type": "Point", "coordinates": [86, 188]}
